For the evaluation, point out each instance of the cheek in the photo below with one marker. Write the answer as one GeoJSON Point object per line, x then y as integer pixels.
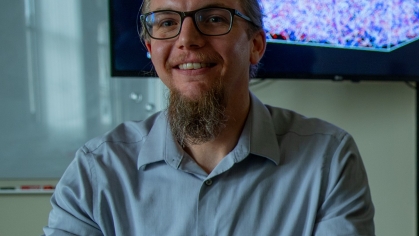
{"type": "Point", "coordinates": [238, 55]}
{"type": "Point", "coordinates": [236, 67]}
{"type": "Point", "coordinates": [159, 56]}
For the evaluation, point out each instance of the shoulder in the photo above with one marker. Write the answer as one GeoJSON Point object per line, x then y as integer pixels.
{"type": "Point", "coordinates": [289, 122]}
{"type": "Point", "coordinates": [129, 133]}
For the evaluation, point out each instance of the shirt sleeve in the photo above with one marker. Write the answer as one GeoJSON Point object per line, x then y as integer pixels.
{"type": "Point", "coordinates": [72, 201]}
{"type": "Point", "coordinates": [347, 208]}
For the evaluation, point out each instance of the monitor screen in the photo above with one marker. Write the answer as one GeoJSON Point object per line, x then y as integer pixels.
{"type": "Point", "coordinates": [319, 39]}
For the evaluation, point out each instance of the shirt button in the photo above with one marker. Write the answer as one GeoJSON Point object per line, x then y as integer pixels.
{"type": "Point", "coordinates": [208, 182]}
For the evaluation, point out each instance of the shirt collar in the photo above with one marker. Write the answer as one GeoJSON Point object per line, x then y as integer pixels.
{"type": "Point", "coordinates": [263, 139]}
{"type": "Point", "coordinates": [258, 137]}
{"type": "Point", "coordinates": [159, 145]}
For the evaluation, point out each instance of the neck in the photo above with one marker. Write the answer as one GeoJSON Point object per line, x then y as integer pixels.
{"type": "Point", "coordinates": [209, 154]}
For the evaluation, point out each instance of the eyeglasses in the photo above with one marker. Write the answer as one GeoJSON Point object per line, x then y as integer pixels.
{"type": "Point", "coordinates": [213, 21]}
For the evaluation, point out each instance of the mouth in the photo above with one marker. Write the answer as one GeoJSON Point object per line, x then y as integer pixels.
{"type": "Point", "coordinates": [194, 66]}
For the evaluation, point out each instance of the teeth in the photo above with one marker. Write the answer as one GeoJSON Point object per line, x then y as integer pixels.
{"type": "Point", "coordinates": [193, 66]}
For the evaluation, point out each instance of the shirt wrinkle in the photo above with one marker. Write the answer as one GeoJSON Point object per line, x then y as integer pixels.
{"type": "Point", "coordinates": [93, 177]}
{"type": "Point", "coordinates": [335, 136]}
{"type": "Point", "coordinates": [88, 150]}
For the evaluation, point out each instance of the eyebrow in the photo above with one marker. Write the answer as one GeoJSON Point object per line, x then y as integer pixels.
{"type": "Point", "coordinates": [205, 6]}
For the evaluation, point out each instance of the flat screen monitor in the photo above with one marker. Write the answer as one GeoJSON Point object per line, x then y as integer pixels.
{"type": "Point", "coordinates": [310, 39]}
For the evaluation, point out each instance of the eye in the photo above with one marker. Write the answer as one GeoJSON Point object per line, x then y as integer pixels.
{"type": "Point", "coordinates": [167, 23]}
{"type": "Point", "coordinates": [163, 20]}
{"type": "Point", "coordinates": [216, 19]}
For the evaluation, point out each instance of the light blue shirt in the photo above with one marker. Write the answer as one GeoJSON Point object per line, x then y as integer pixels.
{"type": "Point", "coordinates": [288, 175]}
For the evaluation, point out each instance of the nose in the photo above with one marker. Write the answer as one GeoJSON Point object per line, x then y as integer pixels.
{"type": "Point", "coordinates": [189, 36]}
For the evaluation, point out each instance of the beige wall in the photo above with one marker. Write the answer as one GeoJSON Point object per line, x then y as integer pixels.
{"type": "Point", "coordinates": [380, 116]}
{"type": "Point", "coordinates": [24, 214]}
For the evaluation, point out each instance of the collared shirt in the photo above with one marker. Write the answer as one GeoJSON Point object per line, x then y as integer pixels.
{"type": "Point", "coordinates": [288, 175]}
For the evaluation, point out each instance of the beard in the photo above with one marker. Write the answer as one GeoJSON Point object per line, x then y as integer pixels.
{"type": "Point", "coordinates": [199, 120]}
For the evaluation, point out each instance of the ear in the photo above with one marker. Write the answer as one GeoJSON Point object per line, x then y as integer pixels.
{"type": "Point", "coordinates": [148, 45]}
{"type": "Point", "coordinates": [258, 47]}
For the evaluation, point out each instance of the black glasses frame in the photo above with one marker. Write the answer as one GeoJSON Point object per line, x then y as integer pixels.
{"type": "Point", "coordinates": [184, 14]}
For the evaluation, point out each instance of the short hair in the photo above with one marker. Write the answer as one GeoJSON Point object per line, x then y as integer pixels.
{"type": "Point", "coordinates": [251, 8]}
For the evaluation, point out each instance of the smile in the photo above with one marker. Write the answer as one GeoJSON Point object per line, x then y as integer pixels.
{"type": "Point", "coordinates": [193, 66]}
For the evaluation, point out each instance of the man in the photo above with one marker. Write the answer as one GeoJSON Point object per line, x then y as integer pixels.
{"type": "Point", "coordinates": [217, 161]}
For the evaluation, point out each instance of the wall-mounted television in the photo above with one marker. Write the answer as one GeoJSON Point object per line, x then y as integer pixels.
{"type": "Point", "coordinates": [319, 39]}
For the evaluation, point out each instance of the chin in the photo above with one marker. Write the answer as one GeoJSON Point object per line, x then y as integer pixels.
{"type": "Point", "coordinates": [195, 90]}
{"type": "Point", "coordinates": [192, 96]}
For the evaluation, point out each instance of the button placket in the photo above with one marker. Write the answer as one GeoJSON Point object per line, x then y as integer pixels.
{"type": "Point", "coordinates": [205, 208]}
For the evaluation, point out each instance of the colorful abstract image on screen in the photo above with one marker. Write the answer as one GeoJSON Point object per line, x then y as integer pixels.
{"type": "Point", "coordinates": [377, 25]}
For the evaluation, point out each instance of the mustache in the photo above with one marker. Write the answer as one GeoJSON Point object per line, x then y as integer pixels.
{"type": "Point", "coordinates": [203, 57]}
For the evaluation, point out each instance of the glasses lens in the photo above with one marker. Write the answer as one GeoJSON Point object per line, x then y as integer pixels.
{"type": "Point", "coordinates": [163, 25]}
{"type": "Point", "coordinates": [213, 21]}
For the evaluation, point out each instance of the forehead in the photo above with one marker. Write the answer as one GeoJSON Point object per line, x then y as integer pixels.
{"type": "Point", "coordinates": [190, 5]}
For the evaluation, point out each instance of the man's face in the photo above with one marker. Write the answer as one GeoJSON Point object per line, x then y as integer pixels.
{"type": "Point", "coordinates": [217, 59]}
{"type": "Point", "coordinates": [207, 75]}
